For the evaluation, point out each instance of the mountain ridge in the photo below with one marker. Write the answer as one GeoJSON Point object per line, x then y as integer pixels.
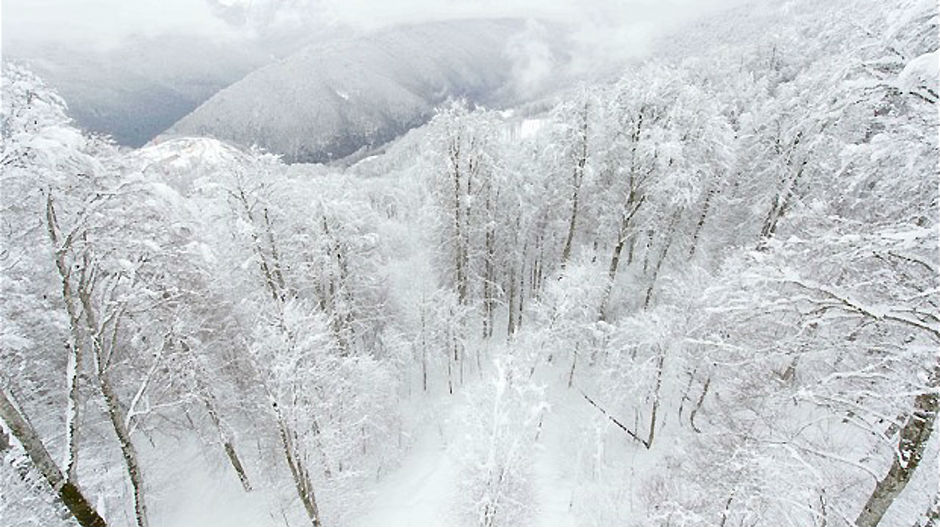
{"type": "Point", "coordinates": [330, 100]}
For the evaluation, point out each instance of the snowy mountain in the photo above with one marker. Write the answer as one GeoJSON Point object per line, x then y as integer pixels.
{"type": "Point", "coordinates": [136, 90]}
{"type": "Point", "coordinates": [702, 294]}
{"type": "Point", "coordinates": [331, 99]}
{"type": "Point", "coordinates": [181, 161]}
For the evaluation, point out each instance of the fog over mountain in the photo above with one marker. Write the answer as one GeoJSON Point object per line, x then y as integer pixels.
{"type": "Point", "coordinates": [469, 263]}
{"type": "Point", "coordinates": [135, 91]}
{"type": "Point", "coordinates": [332, 99]}
{"type": "Point", "coordinates": [132, 71]}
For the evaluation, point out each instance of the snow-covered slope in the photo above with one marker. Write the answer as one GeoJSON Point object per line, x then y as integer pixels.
{"type": "Point", "coordinates": [329, 100]}
{"type": "Point", "coordinates": [136, 90]}
{"type": "Point", "coordinates": [181, 161]}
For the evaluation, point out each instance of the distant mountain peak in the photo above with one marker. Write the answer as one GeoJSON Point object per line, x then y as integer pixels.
{"type": "Point", "coordinates": [334, 98]}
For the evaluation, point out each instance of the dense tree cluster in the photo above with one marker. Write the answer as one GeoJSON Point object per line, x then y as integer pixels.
{"type": "Point", "coordinates": [729, 257]}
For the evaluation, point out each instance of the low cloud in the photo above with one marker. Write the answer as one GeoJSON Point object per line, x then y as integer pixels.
{"type": "Point", "coordinates": [616, 27]}
{"type": "Point", "coordinates": [533, 61]}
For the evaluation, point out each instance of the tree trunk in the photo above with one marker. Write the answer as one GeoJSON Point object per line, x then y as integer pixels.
{"type": "Point", "coordinates": [340, 322]}
{"type": "Point", "coordinates": [67, 492]}
{"type": "Point", "coordinates": [459, 271]}
{"type": "Point", "coordinates": [424, 353]}
{"type": "Point", "coordinates": [468, 217]}
{"type": "Point", "coordinates": [779, 207]}
{"type": "Point", "coordinates": [577, 177]}
{"type": "Point", "coordinates": [614, 420]}
{"type": "Point", "coordinates": [911, 445]}
{"type": "Point", "coordinates": [670, 234]}
{"type": "Point", "coordinates": [450, 376]}
{"type": "Point", "coordinates": [102, 359]}
{"type": "Point", "coordinates": [521, 289]}
{"type": "Point", "coordinates": [698, 405]}
{"type": "Point", "coordinates": [574, 362]}
{"type": "Point", "coordinates": [208, 399]}
{"type": "Point", "coordinates": [566, 251]}
{"type": "Point", "coordinates": [648, 250]}
{"type": "Point", "coordinates": [655, 408]}
{"type": "Point", "coordinates": [489, 283]}
{"type": "Point", "coordinates": [458, 359]}
{"type": "Point", "coordinates": [277, 287]}
{"type": "Point", "coordinates": [227, 444]}
{"type": "Point", "coordinates": [116, 416]}
{"type": "Point", "coordinates": [72, 415]}
{"type": "Point", "coordinates": [275, 257]}
{"type": "Point", "coordinates": [632, 206]}
{"type": "Point", "coordinates": [701, 221]}
{"type": "Point", "coordinates": [451, 354]}
{"type": "Point", "coordinates": [520, 284]}
{"type": "Point", "coordinates": [266, 269]}
{"type": "Point", "coordinates": [302, 482]}
{"type": "Point", "coordinates": [632, 249]}
{"type": "Point", "coordinates": [511, 323]}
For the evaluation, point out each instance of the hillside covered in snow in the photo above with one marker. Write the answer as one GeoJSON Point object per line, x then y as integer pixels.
{"type": "Point", "coordinates": [706, 293]}
{"type": "Point", "coordinates": [333, 99]}
{"type": "Point", "coordinates": [135, 91]}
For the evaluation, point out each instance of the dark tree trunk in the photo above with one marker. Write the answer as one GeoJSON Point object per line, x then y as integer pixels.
{"type": "Point", "coordinates": [632, 206]}
{"type": "Point", "coordinates": [782, 201]}
{"type": "Point", "coordinates": [576, 178]}
{"type": "Point", "coordinates": [302, 482]}
{"type": "Point", "coordinates": [73, 416]}
{"type": "Point", "coordinates": [460, 278]}
{"type": "Point", "coordinates": [701, 221]}
{"type": "Point", "coordinates": [913, 440]}
{"type": "Point", "coordinates": [104, 351]}
{"type": "Point", "coordinates": [670, 234]}
{"type": "Point", "coordinates": [67, 492]}
{"type": "Point", "coordinates": [511, 323]}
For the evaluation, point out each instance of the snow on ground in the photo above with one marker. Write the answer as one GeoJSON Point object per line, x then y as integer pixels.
{"type": "Point", "coordinates": [422, 490]}
{"type": "Point", "coordinates": [209, 495]}
{"type": "Point", "coordinates": [554, 484]}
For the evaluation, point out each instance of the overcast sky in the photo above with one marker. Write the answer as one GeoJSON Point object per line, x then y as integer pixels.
{"type": "Point", "coordinates": [106, 22]}
{"type": "Point", "coordinates": [82, 48]}
{"type": "Point", "coordinates": [103, 23]}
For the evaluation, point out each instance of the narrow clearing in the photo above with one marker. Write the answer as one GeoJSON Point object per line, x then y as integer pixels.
{"type": "Point", "coordinates": [422, 490]}
{"type": "Point", "coordinates": [553, 486]}
{"type": "Point", "coordinates": [425, 489]}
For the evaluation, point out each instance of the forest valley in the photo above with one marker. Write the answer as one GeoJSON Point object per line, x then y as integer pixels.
{"type": "Point", "coordinates": [705, 294]}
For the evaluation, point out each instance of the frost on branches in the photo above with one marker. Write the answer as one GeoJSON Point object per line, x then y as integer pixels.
{"type": "Point", "coordinates": [703, 294]}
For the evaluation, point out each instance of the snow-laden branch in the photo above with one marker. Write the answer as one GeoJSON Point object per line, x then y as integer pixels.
{"type": "Point", "coordinates": [844, 302]}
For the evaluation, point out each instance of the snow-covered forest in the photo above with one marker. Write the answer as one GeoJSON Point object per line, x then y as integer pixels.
{"type": "Point", "coordinates": [704, 293]}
